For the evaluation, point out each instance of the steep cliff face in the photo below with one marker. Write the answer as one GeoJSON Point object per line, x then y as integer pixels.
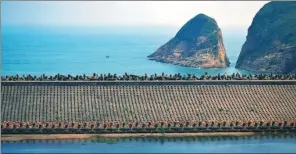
{"type": "Point", "coordinates": [271, 41]}
{"type": "Point", "coordinates": [198, 43]}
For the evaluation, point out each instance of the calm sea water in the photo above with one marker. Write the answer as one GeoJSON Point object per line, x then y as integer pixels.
{"type": "Point", "coordinates": [257, 144]}
{"type": "Point", "coordinates": [77, 50]}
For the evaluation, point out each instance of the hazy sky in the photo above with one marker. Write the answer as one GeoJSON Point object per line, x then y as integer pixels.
{"type": "Point", "coordinates": [129, 13]}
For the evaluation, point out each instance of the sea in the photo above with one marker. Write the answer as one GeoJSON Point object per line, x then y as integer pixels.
{"type": "Point", "coordinates": [86, 50]}
{"type": "Point", "coordinates": [214, 144]}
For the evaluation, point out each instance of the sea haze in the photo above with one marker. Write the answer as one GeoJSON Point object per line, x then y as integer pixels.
{"type": "Point", "coordinates": [77, 50]}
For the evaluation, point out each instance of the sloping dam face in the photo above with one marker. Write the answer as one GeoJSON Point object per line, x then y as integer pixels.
{"type": "Point", "coordinates": [148, 101]}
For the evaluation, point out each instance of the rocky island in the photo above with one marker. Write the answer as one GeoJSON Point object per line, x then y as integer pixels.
{"type": "Point", "coordinates": [270, 46]}
{"type": "Point", "coordinates": [199, 43]}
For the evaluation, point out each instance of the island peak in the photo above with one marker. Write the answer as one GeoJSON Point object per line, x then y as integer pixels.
{"type": "Point", "coordinates": [199, 43]}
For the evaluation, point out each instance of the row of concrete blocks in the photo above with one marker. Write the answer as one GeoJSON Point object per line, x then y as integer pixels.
{"type": "Point", "coordinates": [145, 130]}
{"type": "Point", "coordinates": [155, 83]}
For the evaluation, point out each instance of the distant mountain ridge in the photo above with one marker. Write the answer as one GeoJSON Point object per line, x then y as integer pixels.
{"type": "Point", "coordinates": [199, 43]}
{"type": "Point", "coordinates": [270, 46]}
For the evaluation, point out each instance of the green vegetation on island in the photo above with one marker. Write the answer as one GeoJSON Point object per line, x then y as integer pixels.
{"type": "Point", "coordinates": [271, 42]}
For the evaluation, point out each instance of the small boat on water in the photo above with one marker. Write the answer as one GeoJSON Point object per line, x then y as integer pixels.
{"type": "Point", "coordinates": [107, 57]}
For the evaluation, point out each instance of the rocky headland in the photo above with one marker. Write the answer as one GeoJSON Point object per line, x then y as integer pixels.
{"type": "Point", "coordinates": [199, 43]}
{"type": "Point", "coordinates": [270, 46]}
